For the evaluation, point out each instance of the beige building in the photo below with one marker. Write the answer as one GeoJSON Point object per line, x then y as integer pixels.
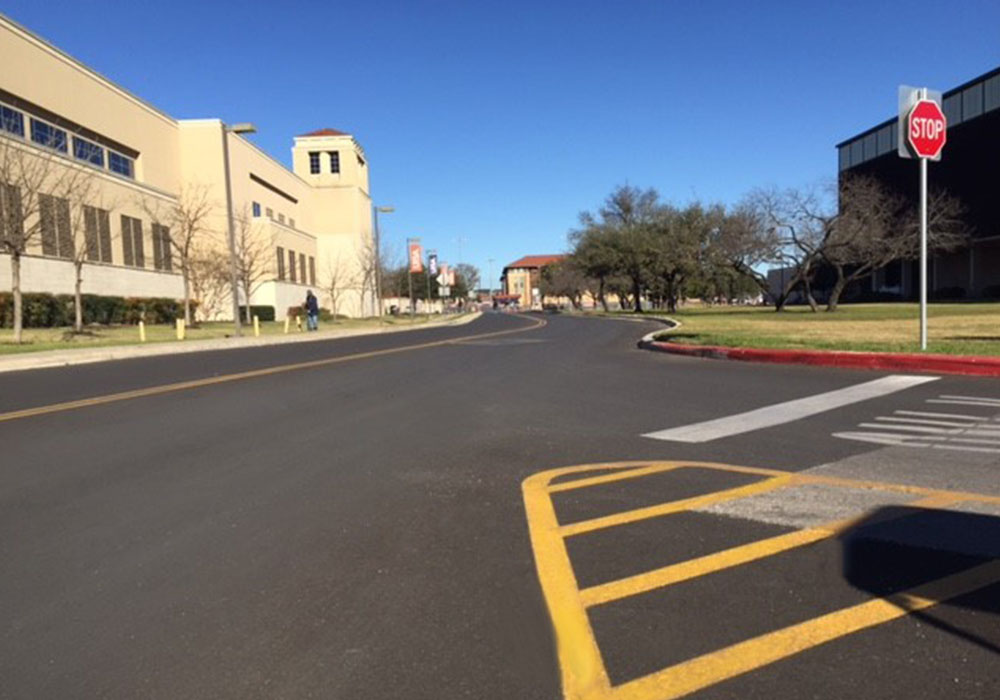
{"type": "Point", "coordinates": [521, 279]}
{"type": "Point", "coordinates": [307, 227]}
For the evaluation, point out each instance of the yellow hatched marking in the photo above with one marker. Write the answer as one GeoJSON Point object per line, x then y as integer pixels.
{"type": "Point", "coordinates": [744, 554]}
{"type": "Point", "coordinates": [704, 671]}
{"type": "Point", "coordinates": [584, 676]}
{"type": "Point", "coordinates": [632, 516]}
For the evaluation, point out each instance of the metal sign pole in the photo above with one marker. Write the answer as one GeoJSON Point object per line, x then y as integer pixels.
{"type": "Point", "coordinates": [923, 253]}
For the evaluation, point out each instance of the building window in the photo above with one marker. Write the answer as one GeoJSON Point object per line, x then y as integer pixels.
{"type": "Point", "coordinates": [123, 165]}
{"type": "Point", "coordinates": [90, 152]}
{"type": "Point", "coordinates": [97, 233]}
{"type": "Point", "coordinates": [11, 215]}
{"type": "Point", "coordinates": [334, 161]}
{"type": "Point", "coordinates": [302, 268]}
{"type": "Point", "coordinates": [54, 222]}
{"type": "Point", "coordinates": [312, 270]}
{"type": "Point", "coordinates": [291, 266]}
{"type": "Point", "coordinates": [291, 222]}
{"type": "Point", "coordinates": [281, 218]}
{"type": "Point", "coordinates": [256, 210]}
{"type": "Point", "coordinates": [270, 213]}
{"type": "Point", "coordinates": [162, 258]}
{"type": "Point", "coordinates": [281, 263]}
{"type": "Point", "coordinates": [132, 250]}
{"type": "Point", "coordinates": [48, 136]}
{"type": "Point", "coordinates": [11, 121]}
{"type": "Point", "coordinates": [314, 162]}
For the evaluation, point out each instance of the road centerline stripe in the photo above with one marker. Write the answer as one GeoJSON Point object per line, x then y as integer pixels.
{"type": "Point", "coordinates": [788, 411]}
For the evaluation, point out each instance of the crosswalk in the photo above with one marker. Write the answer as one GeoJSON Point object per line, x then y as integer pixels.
{"type": "Point", "coordinates": [973, 427]}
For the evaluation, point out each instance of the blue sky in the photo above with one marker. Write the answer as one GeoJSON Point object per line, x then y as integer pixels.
{"type": "Point", "coordinates": [497, 123]}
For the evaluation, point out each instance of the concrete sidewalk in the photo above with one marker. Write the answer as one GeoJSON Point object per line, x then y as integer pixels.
{"type": "Point", "coordinates": [63, 358]}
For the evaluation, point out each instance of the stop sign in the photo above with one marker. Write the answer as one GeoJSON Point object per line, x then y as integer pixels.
{"type": "Point", "coordinates": [926, 129]}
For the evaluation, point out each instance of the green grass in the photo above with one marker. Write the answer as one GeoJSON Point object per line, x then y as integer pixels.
{"type": "Point", "coordinates": [38, 339]}
{"type": "Point", "coordinates": [954, 329]}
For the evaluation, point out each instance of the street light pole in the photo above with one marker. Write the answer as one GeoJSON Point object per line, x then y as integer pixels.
{"type": "Point", "coordinates": [243, 128]}
{"type": "Point", "coordinates": [378, 257]}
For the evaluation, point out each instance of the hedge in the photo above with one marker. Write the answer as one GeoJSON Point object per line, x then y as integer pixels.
{"type": "Point", "coordinates": [44, 310]}
{"type": "Point", "coordinates": [264, 313]}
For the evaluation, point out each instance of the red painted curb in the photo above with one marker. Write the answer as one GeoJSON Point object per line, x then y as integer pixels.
{"type": "Point", "coordinates": [911, 362]}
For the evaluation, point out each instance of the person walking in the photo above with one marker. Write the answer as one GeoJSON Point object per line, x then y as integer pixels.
{"type": "Point", "coordinates": [312, 311]}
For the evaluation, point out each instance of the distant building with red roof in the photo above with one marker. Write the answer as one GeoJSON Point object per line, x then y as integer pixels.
{"type": "Point", "coordinates": [521, 278]}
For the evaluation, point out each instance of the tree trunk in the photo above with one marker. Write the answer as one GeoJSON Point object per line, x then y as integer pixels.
{"type": "Point", "coordinates": [186, 277]}
{"type": "Point", "coordinates": [807, 285]}
{"type": "Point", "coordinates": [600, 295]}
{"type": "Point", "coordinates": [838, 289]}
{"type": "Point", "coordinates": [15, 286]}
{"type": "Point", "coordinates": [246, 293]}
{"type": "Point", "coordinates": [78, 298]}
{"type": "Point", "coordinates": [637, 292]}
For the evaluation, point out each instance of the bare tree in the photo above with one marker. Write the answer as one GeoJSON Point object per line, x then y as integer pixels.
{"type": "Point", "coordinates": [37, 186]}
{"type": "Point", "coordinates": [367, 276]}
{"type": "Point", "coordinates": [338, 279]}
{"type": "Point", "coordinates": [252, 257]}
{"type": "Point", "coordinates": [186, 219]}
{"type": "Point", "coordinates": [743, 241]}
{"type": "Point", "coordinates": [210, 281]}
{"type": "Point", "coordinates": [92, 237]}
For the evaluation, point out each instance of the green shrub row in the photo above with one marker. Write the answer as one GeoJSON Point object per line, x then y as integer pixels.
{"type": "Point", "coordinates": [264, 313]}
{"type": "Point", "coordinates": [44, 310]}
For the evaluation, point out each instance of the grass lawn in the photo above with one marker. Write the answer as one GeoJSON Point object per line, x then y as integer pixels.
{"type": "Point", "coordinates": [37, 339]}
{"type": "Point", "coordinates": [955, 329]}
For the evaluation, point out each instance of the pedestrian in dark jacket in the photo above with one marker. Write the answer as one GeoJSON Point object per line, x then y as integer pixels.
{"type": "Point", "coordinates": [312, 311]}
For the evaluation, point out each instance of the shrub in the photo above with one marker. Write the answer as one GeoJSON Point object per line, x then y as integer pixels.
{"type": "Point", "coordinates": [264, 313]}
{"type": "Point", "coordinates": [948, 293]}
{"type": "Point", "coordinates": [44, 310]}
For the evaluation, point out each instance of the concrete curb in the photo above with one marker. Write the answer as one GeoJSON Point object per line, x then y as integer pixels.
{"type": "Point", "coordinates": [64, 358]}
{"type": "Point", "coordinates": [908, 362]}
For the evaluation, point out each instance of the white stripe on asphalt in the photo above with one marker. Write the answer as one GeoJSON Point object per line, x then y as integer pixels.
{"type": "Point", "coordinates": [971, 398]}
{"type": "Point", "coordinates": [959, 402]}
{"type": "Point", "coordinates": [789, 411]}
{"type": "Point", "coordinates": [926, 414]}
{"type": "Point", "coordinates": [912, 428]}
{"type": "Point", "coordinates": [926, 421]}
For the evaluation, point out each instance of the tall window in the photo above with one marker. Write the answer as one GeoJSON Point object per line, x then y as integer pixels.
{"type": "Point", "coordinates": [48, 135]}
{"type": "Point", "coordinates": [97, 233]}
{"type": "Point", "coordinates": [302, 268]}
{"type": "Point", "coordinates": [11, 215]}
{"type": "Point", "coordinates": [291, 222]}
{"type": "Point", "coordinates": [270, 213]}
{"type": "Point", "coordinates": [291, 266]}
{"type": "Point", "coordinates": [314, 162]}
{"type": "Point", "coordinates": [11, 121]}
{"type": "Point", "coordinates": [281, 263]}
{"type": "Point", "coordinates": [281, 218]}
{"type": "Point", "coordinates": [334, 161]}
{"type": "Point", "coordinates": [132, 250]}
{"type": "Point", "coordinates": [88, 151]}
{"type": "Point", "coordinates": [54, 222]}
{"type": "Point", "coordinates": [162, 257]}
{"type": "Point", "coordinates": [312, 270]}
{"type": "Point", "coordinates": [256, 210]}
{"type": "Point", "coordinates": [117, 163]}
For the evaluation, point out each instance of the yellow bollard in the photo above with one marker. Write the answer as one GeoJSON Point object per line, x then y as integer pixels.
{"type": "Point", "coordinates": [256, 326]}
{"type": "Point", "coordinates": [287, 319]}
{"type": "Point", "coordinates": [298, 323]}
{"type": "Point", "coordinates": [142, 332]}
{"type": "Point", "coordinates": [180, 329]}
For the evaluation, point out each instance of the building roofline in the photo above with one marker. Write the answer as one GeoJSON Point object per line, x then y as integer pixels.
{"type": "Point", "coordinates": [948, 93]}
{"type": "Point", "coordinates": [84, 68]}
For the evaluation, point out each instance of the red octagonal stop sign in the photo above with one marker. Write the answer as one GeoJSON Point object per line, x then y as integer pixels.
{"type": "Point", "coordinates": [926, 129]}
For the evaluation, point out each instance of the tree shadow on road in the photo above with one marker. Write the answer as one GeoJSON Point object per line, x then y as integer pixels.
{"type": "Point", "coordinates": [907, 555]}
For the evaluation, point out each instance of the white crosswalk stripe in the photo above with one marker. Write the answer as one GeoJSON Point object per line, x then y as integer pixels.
{"type": "Point", "coordinates": [935, 430]}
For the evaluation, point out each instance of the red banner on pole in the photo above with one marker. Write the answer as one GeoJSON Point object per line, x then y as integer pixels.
{"type": "Point", "coordinates": [416, 258]}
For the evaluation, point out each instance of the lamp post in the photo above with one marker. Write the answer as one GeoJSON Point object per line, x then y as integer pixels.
{"type": "Point", "coordinates": [378, 257]}
{"type": "Point", "coordinates": [242, 128]}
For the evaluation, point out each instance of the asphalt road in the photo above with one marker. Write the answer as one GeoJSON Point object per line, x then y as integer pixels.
{"type": "Point", "coordinates": [356, 527]}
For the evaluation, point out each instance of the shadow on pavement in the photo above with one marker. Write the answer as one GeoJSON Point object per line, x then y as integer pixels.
{"type": "Point", "coordinates": [896, 549]}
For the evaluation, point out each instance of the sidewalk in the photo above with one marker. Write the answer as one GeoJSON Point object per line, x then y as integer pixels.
{"type": "Point", "coordinates": [64, 358]}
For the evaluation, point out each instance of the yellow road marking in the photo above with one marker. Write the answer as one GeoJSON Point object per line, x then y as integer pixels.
{"type": "Point", "coordinates": [584, 676]}
{"type": "Point", "coordinates": [704, 671]}
{"type": "Point", "coordinates": [711, 563]}
{"type": "Point", "coordinates": [632, 516]}
{"type": "Point", "coordinates": [251, 374]}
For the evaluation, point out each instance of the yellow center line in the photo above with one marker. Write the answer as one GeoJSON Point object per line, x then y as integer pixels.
{"type": "Point", "coordinates": [631, 516]}
{"type": "Point", "coordinates": [735, 556]}
{"type": "Point", "coordinates": [712, 668]}
{"type": "Point", "coordinates": [252, 374]}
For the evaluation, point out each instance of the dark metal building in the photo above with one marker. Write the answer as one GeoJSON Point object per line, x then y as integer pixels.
{"type": "Point", "coordinates": [969, 169]}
